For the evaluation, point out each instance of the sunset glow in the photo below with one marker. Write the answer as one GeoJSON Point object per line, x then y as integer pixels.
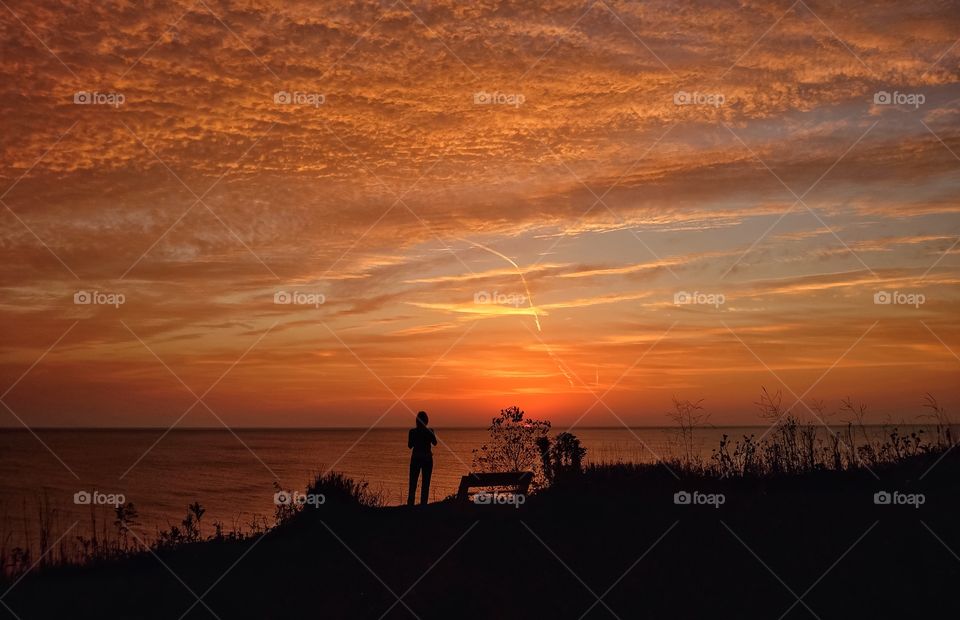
{"type": "Point", "coordinates": [265, 214]}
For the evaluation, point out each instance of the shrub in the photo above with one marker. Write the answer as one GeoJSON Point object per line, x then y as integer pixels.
{"type": "Point", "coordinates": [339, 490]}
{"type": "Point", "coordinates": [514, 444]}
{"type": "Point", "coordinates": [561, 459]}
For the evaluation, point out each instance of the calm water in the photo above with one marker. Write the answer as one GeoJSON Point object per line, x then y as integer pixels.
{"type": "Point", "coordinates": [232, 476]}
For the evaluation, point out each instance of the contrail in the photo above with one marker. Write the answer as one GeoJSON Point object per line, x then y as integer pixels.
{"type": "Point", "coordinates": [536, 317]}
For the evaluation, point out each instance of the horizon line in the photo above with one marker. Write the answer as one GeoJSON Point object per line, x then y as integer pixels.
{"type": "Point", "coordinates": [366, 428]}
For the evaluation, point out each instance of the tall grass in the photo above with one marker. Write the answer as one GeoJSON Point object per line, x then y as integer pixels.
{"type": "Point", "coordinates": [688, 416]}
{"type": "Point", "coordinates": [35, 540]}
{"type": "Point", "coordinates": [109, 533]}
{"type": "Point", "coordinates": [792, 445]}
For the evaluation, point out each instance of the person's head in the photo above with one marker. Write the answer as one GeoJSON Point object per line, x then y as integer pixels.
{"type": "Point", "coordinates": [422, 419]}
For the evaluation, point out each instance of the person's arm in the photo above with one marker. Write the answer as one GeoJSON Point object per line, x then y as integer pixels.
{"type": "Point", "coordinates": [433, 437]}
{"type": "Point", "coordinates": [410, 438]}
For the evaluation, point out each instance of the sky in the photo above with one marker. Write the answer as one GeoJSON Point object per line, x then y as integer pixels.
{"type": "Point", "coordinates": [336, 214]}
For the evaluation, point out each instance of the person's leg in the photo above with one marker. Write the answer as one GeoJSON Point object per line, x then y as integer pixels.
{"type": "Point", "coordinates": [425, 489]}
{"type": "Point", "coordinates": [414, 474]}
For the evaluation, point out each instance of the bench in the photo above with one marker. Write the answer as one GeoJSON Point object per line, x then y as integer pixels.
{"type": "Point", "coordinates": [517, 481]}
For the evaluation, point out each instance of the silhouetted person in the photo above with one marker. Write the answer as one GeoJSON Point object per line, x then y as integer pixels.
{"type": "Point", "coordinates": [419, 440]}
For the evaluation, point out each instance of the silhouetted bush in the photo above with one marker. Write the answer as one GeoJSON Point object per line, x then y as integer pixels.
{"type": "Point", "coordinates": [562, 458]}
{"type": "Point", "coordinates": [339, 490]}
{"type": "Point", "coordinates": [514, 445]}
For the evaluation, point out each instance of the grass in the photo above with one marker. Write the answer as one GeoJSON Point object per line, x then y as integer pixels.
{"type": "Point", "coordinates": [111, 534]}
{"type": "Point", "coordinates": [793, 446]}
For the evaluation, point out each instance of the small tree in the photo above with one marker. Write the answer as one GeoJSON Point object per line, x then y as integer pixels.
{"type": "Point", "coordinates": [563, 458]}
{"type": "Point", "coordinates": [543, 445]}
{"type": "Point", "coordinates": [568, 454]}
{"type": "Point", "coordinates": [513, 444]}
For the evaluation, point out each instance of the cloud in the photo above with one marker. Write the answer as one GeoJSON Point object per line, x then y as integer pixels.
{"type": "Point", "coordinates": [203, 193]}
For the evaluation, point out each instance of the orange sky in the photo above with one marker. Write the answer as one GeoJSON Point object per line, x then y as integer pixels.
{"type": "Point", "coordinates": [497, 203]}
